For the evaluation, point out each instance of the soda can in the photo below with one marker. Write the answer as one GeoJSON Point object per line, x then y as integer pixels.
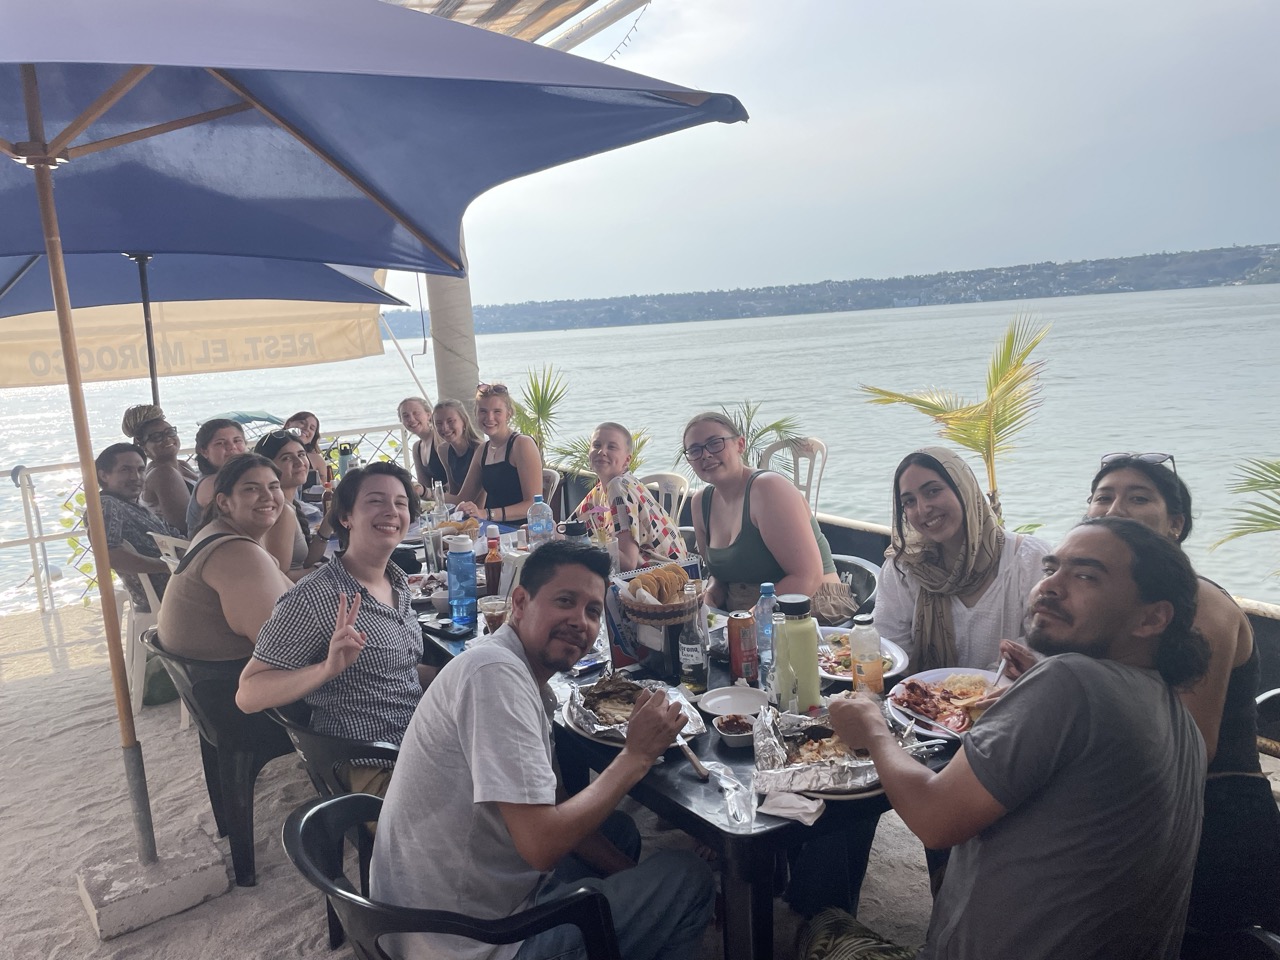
{"type": "Point", "coordinates": [744, 659]}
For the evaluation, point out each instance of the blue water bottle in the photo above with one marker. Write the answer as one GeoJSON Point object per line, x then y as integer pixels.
{"type": "Point", "coordinates": [461, 564]}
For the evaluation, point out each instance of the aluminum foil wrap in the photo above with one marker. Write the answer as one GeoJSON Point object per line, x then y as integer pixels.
{"type": "Point", "coordinates": [587, 722]}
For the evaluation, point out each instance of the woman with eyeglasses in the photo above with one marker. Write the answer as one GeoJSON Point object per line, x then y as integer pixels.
{"type": "Point", "coordinates": [289, 540]}
{"type": "Point", "coordinates": [307, 424]}
{"type": "Point", "coordinates": [217, 441]}
{"type": "Point", "coordinates": [507, 474]}
{"type": "Point", "coordinates": [1237, 877]}
{"type": "Point", "coordinates": [168, 482]}
{"type": "Point", "coordinates": [227, 584]}
{"type": "Point", "coordinates": [753, 526]}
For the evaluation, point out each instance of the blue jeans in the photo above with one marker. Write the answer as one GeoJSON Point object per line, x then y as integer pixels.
{"type": "Point", "coordinates": [660, 907]}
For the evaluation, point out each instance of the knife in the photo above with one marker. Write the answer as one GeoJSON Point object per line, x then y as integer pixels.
{"type": "Point", "coordinates": [703, 773]}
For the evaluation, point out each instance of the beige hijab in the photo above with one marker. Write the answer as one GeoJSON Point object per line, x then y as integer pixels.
{"type": "Point", "coordinates": [921, 559]}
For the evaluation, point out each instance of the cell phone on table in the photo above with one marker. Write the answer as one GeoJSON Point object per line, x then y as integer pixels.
{"type": "Point", "coordinates": [447, 629]}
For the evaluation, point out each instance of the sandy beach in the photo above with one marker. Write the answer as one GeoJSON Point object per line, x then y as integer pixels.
{"type": "Point", "coordinates": [63, 803]}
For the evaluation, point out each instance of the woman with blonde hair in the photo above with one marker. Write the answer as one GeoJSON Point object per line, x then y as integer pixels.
{"type": "Point", "coordinates": [168, 482]}
{"type": "Point", "coordinates": [503, 480]}
{"type": "Point", "coordinates": [753, 526]}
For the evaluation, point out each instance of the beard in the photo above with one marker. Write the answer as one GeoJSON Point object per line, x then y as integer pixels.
{"type": "Point", "coordinates": [1042, 641]}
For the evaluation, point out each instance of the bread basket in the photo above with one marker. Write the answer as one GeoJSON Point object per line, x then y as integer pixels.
{"type": "Point", "coordinates": [661, 614]}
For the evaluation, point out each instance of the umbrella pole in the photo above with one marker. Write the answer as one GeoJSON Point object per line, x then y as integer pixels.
{"type": "Point", "coordinates": [142, 259]}
{"type": "Point", "coordinates": [134, 774]}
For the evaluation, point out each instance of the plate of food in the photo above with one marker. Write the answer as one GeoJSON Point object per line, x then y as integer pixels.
{"type": "Point", "coordinates": [939, 703]}
{"type": "Point", "coordinates": [835, 663]}
{"type": "Point", "coordinates": [602, 710]}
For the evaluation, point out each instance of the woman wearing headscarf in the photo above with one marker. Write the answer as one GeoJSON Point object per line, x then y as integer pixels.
{"type": "Point", "coordinates": [168, 482]}
{"type": "Point", "coordinates": [955, 582]}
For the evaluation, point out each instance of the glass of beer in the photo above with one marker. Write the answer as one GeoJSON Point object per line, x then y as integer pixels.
{"type": "Point", "coordinates": [494, 611]}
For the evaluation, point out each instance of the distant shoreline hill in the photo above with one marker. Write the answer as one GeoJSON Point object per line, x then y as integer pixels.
{"type": "Point", "coordinates": [1225, 266]}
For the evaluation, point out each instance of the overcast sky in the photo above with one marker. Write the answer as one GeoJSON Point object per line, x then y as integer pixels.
{"type": "Point", "coordinates": [889, 138]}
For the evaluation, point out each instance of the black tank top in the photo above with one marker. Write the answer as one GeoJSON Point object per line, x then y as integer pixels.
{"type": "Point", "coordinates": [1237, 735]}
{"type": "Point", "coordinates": [501, 480]}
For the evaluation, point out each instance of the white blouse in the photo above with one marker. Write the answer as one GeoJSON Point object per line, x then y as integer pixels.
{"type": "Point", "coordinates": [998, 614]}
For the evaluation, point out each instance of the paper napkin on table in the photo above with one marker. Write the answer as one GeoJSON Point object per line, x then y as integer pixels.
{"type": "Point", "coordinates": [793, 806]}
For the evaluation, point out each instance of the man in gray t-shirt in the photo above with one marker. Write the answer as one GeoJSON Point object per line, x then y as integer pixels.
{"type": "Point", "coordinates": [474, 821]}
{"type": "Point", "coordinates": [1074, 804]}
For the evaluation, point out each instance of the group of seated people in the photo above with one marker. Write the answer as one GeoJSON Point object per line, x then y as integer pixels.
{"type": "Point", "coordinates": [956, 590]}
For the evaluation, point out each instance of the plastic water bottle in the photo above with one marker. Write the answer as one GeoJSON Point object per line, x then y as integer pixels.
{"type": "Point", "coordinates": [542, 523]}
{"type": "Point", "coordinates": [763, 612]}
{"type": "Point", "coordinates": [461, 564]}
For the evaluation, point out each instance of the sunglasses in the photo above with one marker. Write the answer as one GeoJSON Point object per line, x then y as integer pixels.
{"type": "Point", "coordinates": [713, 445]}
{"type": "Point", "coordinates": [1153, 458]}
{"type": "Point", "coordinates": [159, 436]}
{"type": "Point", "coordinates": [487, 389]}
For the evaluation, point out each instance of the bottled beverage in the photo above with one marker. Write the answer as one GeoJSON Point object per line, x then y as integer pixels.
{"type": "Point", "coordinates": [575, 531]}
{"type": "Point", "coordinates": [864, 650]}
{"type": "Point", "coordinates": [542, 523]}
{"type": "Point", "coordinates": [763, 612]}
{"type": "Point", "coordinates": [493, 562]}
{"type": "Point", "coordinates": [461, 565]}
{"type": "Point", "coordinates": [693, 647]}
{"type": "Point", "coordinates": [782, 680]}
{"type": "Point", "coordinates": [802, 650]}
{"type": "Point", "coordinates": [437, 493]}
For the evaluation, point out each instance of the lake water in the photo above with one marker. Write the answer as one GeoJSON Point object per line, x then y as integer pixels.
{"type": "Point", "coordinates": [1185, 372]}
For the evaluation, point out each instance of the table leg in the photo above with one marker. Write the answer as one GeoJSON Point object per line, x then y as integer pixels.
{"type": "Point", "coordinates": [747, 882]}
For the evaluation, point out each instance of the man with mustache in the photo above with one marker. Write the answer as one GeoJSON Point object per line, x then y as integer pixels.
{"type": "Point", "coordinates": [475, 821]}
{"type": "Point", "coordinates": [1074, 803]}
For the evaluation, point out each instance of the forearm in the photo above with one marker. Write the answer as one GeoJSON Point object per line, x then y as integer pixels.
{"type": "Point", "coordinates": [597, 852]}
{"type": "Point", "coordinates": [126, 559]}
{"type": "Point", "coordinates": [272, 687]}
{"type": "Point", "coordinates": [912, 791]}
{"type": "Point", "coordinates": [802, 583]}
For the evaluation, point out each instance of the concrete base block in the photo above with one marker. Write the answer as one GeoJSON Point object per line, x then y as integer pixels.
{"type": "Point", "coordinates": [124, 895]}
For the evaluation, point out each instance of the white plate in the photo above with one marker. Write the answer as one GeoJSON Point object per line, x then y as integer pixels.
{"type": "Point", "coordinates": [887, 647]}
{"type": "Point", "coordinates": [933, 676]}
{"type": "Point", "coordinates": [723, 701]}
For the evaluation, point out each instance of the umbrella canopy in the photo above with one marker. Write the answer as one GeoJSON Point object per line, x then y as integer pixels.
{"type": "Point", "coordinates": [335, 131]}
{"type": "Point", "coordinates": [339, 131]}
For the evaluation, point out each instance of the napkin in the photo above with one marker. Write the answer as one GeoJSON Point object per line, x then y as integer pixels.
{"type": "Point", "coordinates": [794, 807]}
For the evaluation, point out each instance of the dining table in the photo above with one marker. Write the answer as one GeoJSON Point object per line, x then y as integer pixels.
{"type": "Point", "coordinates": [672, 790]}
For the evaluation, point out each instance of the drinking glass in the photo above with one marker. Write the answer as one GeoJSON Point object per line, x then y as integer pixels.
{"type": "Point", "coordinates": [494, 610]}
{"type": "Point", "coordinates": [739, 804]}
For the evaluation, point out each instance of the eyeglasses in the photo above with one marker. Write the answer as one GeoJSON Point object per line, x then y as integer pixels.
{"type": "Point", "coordinates": [488, 389]}
{"type": "Point", "coordinates": [1144, 457]}
{"type": "Point", "coordinates": [713, 445]}
{"type": "Point", "coordinates": [159, 436]}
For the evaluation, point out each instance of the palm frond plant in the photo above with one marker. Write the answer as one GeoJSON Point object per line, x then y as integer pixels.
{"type": "Point", "coordinates": [986, 426]}
{"type": "Point", "coordinates": [1261, 514]}
{"type": "Point", "coordinates": [538, 407]}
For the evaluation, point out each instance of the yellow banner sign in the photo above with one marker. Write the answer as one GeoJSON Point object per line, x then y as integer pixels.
{"type": "Point", "coordinates": [189, 337]}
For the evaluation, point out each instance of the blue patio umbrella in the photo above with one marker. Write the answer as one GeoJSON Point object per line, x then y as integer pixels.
{"type": "Point", "coordinates": [101, 279]}
{"type": "Point", "coordinates": [339, 131]}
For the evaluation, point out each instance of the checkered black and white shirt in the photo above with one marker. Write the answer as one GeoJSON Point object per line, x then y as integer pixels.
{"type": "Point", "coordinates": [374, 698]}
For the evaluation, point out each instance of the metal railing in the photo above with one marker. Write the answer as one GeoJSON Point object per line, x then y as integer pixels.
{"type": "Point", "coordinates": [52, 497]}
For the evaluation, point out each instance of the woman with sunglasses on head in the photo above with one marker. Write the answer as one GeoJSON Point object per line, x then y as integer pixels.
{"type": "Point", "coordinates": [168, 481]}
{"type": "Point", "coordinates": [307, 425]}
{"type": "Point", "coordinates": [217, 441]}
{"type": "Point", "coordinates": [290, 541]}
{"type": "Point", "coordinates": [1237, 877]}
{"type": "Point", "coordinates": [227, 584]}
{"type": "Point", "coordinates": [753, 526]}
{"type": "Point", "coordinates": [507, 474]}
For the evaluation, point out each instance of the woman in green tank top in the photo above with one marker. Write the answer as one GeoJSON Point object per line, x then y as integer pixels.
{"type": "Point", "coordinates": [754, 526]}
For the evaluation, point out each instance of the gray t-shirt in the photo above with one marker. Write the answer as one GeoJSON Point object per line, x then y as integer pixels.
{"type": "Point", "coordinates": [481, 735]}
{"type": "Point", "coordinates": [1102, 771]}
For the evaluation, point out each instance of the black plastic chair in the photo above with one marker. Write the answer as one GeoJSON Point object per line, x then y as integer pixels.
{"type": "Point", "coordinates": [1251, 944]}
{"type": "Point", "coordinates": [861, 576]}
{"type": "Point", "coordinates": [314, 837]}
{"type": "Point", "coordinates": [324, 757]}
{"type": "Point", "coordinates": [234, 745]}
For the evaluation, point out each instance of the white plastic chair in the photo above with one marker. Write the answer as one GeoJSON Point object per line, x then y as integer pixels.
{"type": "Point", "coordinates": [137, 622]}
{"type": "Point", "coordinates": [808, 460]}
{"type": "Point", "coordinates": [672, 490]}
{"type": "Point", "coordinates": [171, 549]}
{"type": "Point", "coordinates": [550, 483]}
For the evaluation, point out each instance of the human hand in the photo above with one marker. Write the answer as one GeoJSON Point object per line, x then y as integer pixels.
{"type": "Point", "coordinates": [653, 726]}
{"type": "Point", "coordinates": [857, 719]}
{"type": "Point", "coordinates": [347, 642]}
{"type": "Point", "coordinates": [1021, 658]}
{"type": "Point", "coordinates": [470, 509]}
